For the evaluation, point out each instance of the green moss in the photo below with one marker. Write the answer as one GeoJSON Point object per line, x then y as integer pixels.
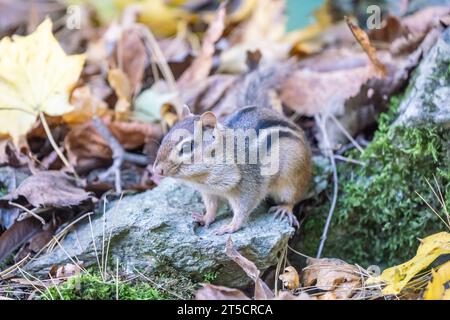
{"type": "Point", "coordinates": [210, 277]}
{"type": "Point", "coordinates": [93, 287]}
{"type": "Point", "coordinates": [379, 216]}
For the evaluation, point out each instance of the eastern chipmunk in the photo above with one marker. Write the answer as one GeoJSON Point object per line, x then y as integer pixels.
{"type": "Point", "coordinates": [254, 154]}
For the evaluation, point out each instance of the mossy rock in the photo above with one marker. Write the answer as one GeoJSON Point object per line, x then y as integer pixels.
{"type": "Point", "coordinates": [380, 212]}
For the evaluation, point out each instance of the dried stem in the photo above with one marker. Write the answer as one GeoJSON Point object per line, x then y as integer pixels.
{"type": "Point", "coordinates": [55, 145]}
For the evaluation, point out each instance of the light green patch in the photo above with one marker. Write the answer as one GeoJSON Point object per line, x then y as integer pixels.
{"type": "Point", "coordinates": [93, 287]}
{"type": "Point", "coordinates": [210, 277]}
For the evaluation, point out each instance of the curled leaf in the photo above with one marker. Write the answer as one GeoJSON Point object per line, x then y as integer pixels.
{"type": "Point", "coordinates": [290, 278]}
{"type": "Point", "coordinates": [396, 278]}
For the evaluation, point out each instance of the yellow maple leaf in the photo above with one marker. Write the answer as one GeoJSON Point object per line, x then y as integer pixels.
{"type": "Point", "coordinates": [436, 289]}
{"type": "Point", "coordinates": [36, 76]}
{"type": "Point", "coordinates": [396, 278]}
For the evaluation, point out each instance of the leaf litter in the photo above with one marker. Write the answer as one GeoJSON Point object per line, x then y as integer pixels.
{"type": "Point", "coordinates": [127, 73]}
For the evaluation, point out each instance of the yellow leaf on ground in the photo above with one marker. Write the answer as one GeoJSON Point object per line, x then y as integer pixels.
{"type": "Point", "coordinates": [35, 76]}
{"type": "Point", "coordinates": [436, 288]}
{"type": "Point", "coordinates": [396, 278]}
{"type": "Point", "coordinates": [161, 18]}
{"type": "Point", "coordinates": [121, 84]}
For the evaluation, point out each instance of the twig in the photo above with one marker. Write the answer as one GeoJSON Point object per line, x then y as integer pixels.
{"type": "Point", "coordinates": [117, 154]}
{"type": "Point", "coordinates": [27, 211]}
{"type": "Point", "coordinates": [345, 159]}
{"type": "Point", "coordinates": [48, 132]}
{"type": "Point", "coordinates": [321, 122]}
{"type": "Point", "coordinates": [155, 51]}
{"type": "Point", "coordinates": [117, 278]}
{"type": "Point", "coordinates": [346, 133]}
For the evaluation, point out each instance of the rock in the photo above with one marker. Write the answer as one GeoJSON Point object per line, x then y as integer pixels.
{"type": "Point", "coordinates": [155, 229]}
{"type": "Point", "coordinates": [427, 102]}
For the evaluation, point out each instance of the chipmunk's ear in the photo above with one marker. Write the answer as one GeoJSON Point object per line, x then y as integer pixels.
{"type": "Point", "coordinates": [208, 119]}
{"type": "Point", "coordinates": [186, 112]}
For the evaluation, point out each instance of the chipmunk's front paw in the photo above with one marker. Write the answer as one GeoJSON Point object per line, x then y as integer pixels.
{"type": "Point", "coordinates": [202, 219]}
{"type": "Point", "coordinates": [284, 211]}
{"type": "Point", "coordinates": [231, 228]}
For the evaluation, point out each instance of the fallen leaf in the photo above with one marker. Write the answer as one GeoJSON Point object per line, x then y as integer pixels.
{"type": "Point", "coordinates": [9, 155]}
{"type": "Point", "coordinates": [122, 87]}
{"type": "Point", "coordinates": [86, 149]}
{"type": "Point", "coordinates": [147, 106]}
{"type": "Point", "coordinates": [436, 289]}
{"type": "Point", "coordinates": [133, 55]}
{"type": "Point", "coordinates": [22, 98]}
{"type": "Point", "coordinates": [19, 233]}
{"type": "Point", "coordinates": [86, 106]}
{"type": "Point", "coordinates": [328, 274]}
{"type": "Point", "coordinates": [430, 248]}
{"type": "Point", "coordinates": [201, 66]}
{"type": "Point", "coordinates": [49, 188]}
{"type": "Point", "coordinates": [262, 291]}
{"type": "Point", "coordinates": [213, 292]}
{"type": "Point", "coordinates": [264, 31]}
{"type": "Point", "coordinates": [162, 18]}
{"type": "Point", "coordinates": [290, 278]}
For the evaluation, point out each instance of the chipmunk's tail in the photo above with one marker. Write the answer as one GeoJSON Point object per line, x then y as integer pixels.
{"type": "Point", "coordinates": [259, 81]}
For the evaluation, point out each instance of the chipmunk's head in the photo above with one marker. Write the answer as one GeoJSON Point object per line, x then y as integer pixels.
{"type": "Point", "coordinates": [187, 147]}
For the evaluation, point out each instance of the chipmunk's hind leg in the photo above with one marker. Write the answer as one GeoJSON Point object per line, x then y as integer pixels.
{"type": "Point", "coordinates": [285, 211]}
{"type": "Point", "coordinates": [288, 188]}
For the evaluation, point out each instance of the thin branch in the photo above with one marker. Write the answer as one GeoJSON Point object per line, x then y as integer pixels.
{"type": "Point", "coordinates": [321, 122]}
{"type": "Point", "coordinates": [55, 145]}
{"type": "Point", "coordinates": [27, 211]}
{"type": "Point", "coordinates": [346, 133]}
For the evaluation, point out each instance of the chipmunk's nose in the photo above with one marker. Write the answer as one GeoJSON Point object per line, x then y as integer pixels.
{"type": "Point", "coordinates": [158, 169]}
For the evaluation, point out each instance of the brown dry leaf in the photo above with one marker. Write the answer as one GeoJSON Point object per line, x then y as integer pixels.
{"type": "Point", "coordinates": [290, 278]}
{"type": "Point", "coordinates": [122, 87]}
{"type": "Point", "coordinates": [391, 29]}
{"type": "Point", "coordinates": [332, 275]}
{"type": "Point", "coordinates": [262, 291]}
{"type": "Point", "coordinates": [422, 21]}
{"type": "Point", "coordinates": [19, 233]}
{"type": "Point", "coordinates": [133, 57]}
{"type": "Point", "coordinates": [414, 29]}
{"type": "Point", "coordinates": [201, 66]}
{"type": "Point", "coordinates": [86, 149]}
{"type": "Point", "coordinates": [311, 92]}
{"type": "Point", "coordinates": [206, 95]}
{"type": "Point", "coordinates": [363, 39]}
{"type": "Point", "coordinates": [213, 292]}
{"type": "Point", "coordinates": [9, 155]}
{"type": "Point", "coordinates": [49, 188]}
{"type": "Point", "coordinates": [86, 106]}
{"type": "Point", "coordinates": [133, 134]}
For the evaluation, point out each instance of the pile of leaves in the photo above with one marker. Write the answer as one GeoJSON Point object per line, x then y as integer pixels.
{"type": "Point", "coordinates": [88, 89]}
{"type": "Point", "coordinates": [425, 276]}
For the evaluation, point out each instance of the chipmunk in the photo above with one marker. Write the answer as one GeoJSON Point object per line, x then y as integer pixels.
{"type": "Point", "coordinates": [221, 164]}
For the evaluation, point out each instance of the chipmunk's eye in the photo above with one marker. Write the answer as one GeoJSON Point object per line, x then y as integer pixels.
{"type": "Point", "coordinates": [186, 148]}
